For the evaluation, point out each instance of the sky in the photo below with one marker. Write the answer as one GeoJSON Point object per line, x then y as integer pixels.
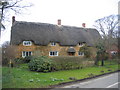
{"type": "Point", "coordinates": [71, 12]}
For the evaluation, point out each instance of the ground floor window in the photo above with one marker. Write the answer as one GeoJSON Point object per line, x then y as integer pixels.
{"type": "Point", "coordinates": [113, 52]}
{"type": "Point", "coordinates": [26, 53]}
{"type": "Point", "coordinates": [81, 53]}
{"type": "Point", "coordinates": [53, 53]}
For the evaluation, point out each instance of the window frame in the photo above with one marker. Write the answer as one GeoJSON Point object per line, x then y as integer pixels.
{"type": "Point", "coordinates": [53, 44]}
{"type": "Point", "coordinates": [27, 43]}
{"type": "Point", "coordinates": [113, 52]}
{"type": "Point", "coordinates": [53, 52]}
{"type": "Point", "coordinates": [26, 53]}
{"type": "Point", "coordinates": [79, 53]}
{"type": "Point", "coordinates": [81, 44]}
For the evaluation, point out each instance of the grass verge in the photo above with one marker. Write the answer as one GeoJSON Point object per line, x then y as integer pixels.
{"type": "Point", "coordinates": [23, 78]}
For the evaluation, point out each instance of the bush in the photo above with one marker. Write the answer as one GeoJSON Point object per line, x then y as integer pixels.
{"type": "Point", "coordinates": [23, 60]}
{"type": "Point", "coordinates": [66, 63]}
{"type": "Point", "coordinates": [18, 60]}
{"type": "Point", "coordinates": [27, 59]}
{"type": "Point", "coordinates": [106, 56]}
{"type": "Point", "coordinates": [40, 64]}
{"type": "Point", "coordinates": [45, 64]}
{"type": "Point", "coordinates": [86, 50]}
{"type": "Point", "coordinates": [5, 61]}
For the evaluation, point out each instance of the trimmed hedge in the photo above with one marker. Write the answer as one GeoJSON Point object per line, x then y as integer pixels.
{"type": "Point", "coordinates": [66, 63]}
{"type": "Point", "coordinates": [45, 64]}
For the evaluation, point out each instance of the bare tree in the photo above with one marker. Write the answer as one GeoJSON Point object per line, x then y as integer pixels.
{"type": "Point", "coordinates": [108, 28]}
{"type": "Point", "coordinates": [8, 52]}
{"type": "Point", "coordinates": [6, 6]}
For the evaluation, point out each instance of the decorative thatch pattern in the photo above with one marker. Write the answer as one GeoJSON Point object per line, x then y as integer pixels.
{"type": "Point", "coordinates": [43, 34]}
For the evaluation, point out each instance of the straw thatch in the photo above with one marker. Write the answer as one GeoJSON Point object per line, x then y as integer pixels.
{"type": "Point", "coordinates": [43, 34]}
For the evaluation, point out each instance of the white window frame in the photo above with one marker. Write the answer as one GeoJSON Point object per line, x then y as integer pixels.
{"type": "Point", "coordinates": [27, 43]}
{"type": "Point", "coordinates": [53, 52]}
{"type": "Point", "coordinates": [81, 44]}
{"type": "Point", "coordinates": [24, 53]}
{"type": "Point", "coordinates": [113, 52]}
{"type": "Point", "coordinates": [53, 44]}
{"type": "Point", "coordinates": [81, 53]}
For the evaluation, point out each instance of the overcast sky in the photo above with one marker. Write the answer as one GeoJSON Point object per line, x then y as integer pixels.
{"type": "Point", "coordinates": [71, 12]}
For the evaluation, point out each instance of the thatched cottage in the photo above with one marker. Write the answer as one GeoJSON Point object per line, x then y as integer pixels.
{"type": "Point", "coordinates": [33, 38]}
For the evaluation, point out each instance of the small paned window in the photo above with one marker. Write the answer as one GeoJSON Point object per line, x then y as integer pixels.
{"type": "Point", "coordinates": [26, 53]}
{"type": "Point", "coordinates": [27, 43]}
{"type": "Point", "coordinates": [81, 44]}
{"type": "Point", "coordinates": [53, 43]}
{"type": "Point", "coordinates": [53, 53]}
{"type": "Point", "coordinates": [81, 53]}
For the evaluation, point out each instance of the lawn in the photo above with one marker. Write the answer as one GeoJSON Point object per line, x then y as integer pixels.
{"type": "Point", "coordinates": [23, 78]}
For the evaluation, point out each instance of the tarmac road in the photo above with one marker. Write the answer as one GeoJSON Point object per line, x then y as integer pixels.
{"type": "Point", "coordinates": [108, 81]}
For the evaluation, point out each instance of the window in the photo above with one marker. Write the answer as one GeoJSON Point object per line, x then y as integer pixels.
{"type": "Point", "coordinates": [80, 44]}
{"type": "Point", "coordinates": [53, 43]}
{"type": "Point", "coordinates": [27, 43]}
{"type": "Point", "coordinates": [81, 53]}
{"type": "Point", "coordinates": [113, 52]}
{"type": "Point", "coordinates": [53, 53]}
{"type": "Point", "coordinates": [26, 53]}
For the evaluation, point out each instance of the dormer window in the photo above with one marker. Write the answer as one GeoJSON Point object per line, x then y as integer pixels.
{"type": "Point", "coordinates": [53, 43]}
{"type": "Point", "coordinates": [27, 43]}
{"type": "Point", "coordinates": [80, 44]}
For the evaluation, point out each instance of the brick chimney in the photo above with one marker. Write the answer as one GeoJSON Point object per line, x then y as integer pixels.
{"type": "Point", "coordinates": [84, 25]}
{"type": "Point", "coordinates": [13, 19]}
{"type": "Point", "coordinates": [59, 22]}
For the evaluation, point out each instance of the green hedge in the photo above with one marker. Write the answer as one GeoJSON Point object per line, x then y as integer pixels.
{"type": "Point", "coordinates": [66, 63]}
{"type": "Point", "coordinates": [45, 64]}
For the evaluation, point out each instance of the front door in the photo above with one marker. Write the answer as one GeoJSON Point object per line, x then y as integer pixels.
{"type": "Point", "coordinates": [71, 53]}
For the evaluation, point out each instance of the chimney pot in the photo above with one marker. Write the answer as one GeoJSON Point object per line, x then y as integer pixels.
{"type": "Point", "coordinates": [59, 21]}
{"type": "Point", "coordinates": [13, 19]}
{"type": "Point", "coordinates": [83, 25]}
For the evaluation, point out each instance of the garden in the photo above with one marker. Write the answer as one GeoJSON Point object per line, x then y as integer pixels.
{"type": "Point", "coordinates": [42, 72]}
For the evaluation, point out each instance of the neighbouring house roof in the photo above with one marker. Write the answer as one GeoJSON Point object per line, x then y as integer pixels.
{"type": "Point", "coordinates": [43, 34]}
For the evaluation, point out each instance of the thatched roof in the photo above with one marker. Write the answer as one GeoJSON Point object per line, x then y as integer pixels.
{"type": "Point", "coordinates": [43, 34]}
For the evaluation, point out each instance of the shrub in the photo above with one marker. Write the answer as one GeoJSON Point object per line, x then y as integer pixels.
{"type": "Point", "coordinates": [18, 60]}
{"type": "Point", "coordinates": [106, 56]}
{"type": "Point", "coordinates": [23, 60]}
{"type": "Point", "coordinates": [27, 59]}
{"type": "Point", "coordinates": [45, 64]}
{"type": "Point", "coordinates": [66, 63]}
{"type": "Point", "coordinates": [86, 50]}
{"type": "Point", "coordinates": [40, 64]}
{"type": "Point", "coordinates": [5, 61]}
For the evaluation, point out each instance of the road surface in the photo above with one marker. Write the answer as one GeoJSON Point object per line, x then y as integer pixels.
{"type": "Point", "coordinates": [107, 81]}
